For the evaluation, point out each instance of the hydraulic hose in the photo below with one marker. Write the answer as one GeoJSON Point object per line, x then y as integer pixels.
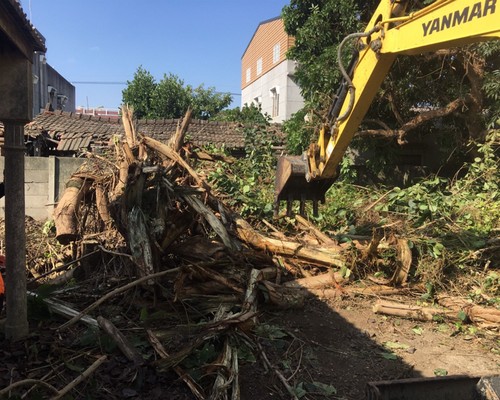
{"type": "Point", "coordinates": [345, 75]}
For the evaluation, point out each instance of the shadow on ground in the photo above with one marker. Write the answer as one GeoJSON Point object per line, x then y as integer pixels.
{"type": "Point", "coordinates": [321, 354]}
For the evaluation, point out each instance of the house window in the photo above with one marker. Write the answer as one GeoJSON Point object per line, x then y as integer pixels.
{"type": "Point", "coordinates": [275, 96]}
{"type": "Point", "coordinates": [248, 75]}
{"type": "Point", "coordinates": [259, 66]}
{"type": "Point", "coordinates": [258, 101]}
{"type": "Point", "coordinates": [276, 53]}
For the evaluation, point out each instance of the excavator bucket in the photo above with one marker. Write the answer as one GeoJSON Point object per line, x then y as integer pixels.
{"type": "Point", "coordinates": [291, 184]}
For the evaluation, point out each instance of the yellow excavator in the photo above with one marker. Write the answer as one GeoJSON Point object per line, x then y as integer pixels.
{"type": "Point", "coordinates": [391, 31]}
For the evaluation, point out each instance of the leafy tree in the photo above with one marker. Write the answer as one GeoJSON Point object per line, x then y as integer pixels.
{"type": "Point", "coordinates": [451, 94]}
{"type": "Point", "coordinates": [170, 98]}
{"type": "Point", "coordinates": [248, 114]}
{"type": "Point", "coordinates": [139, 92]}
{"type": "Point", "coordinates": [207, 103]}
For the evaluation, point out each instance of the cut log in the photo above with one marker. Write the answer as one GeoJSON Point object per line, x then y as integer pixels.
{"type": "Point", "coordinates": [403, 263]}
{"type": "Point", "coordinates": [410, 311]}
{"type": "Point", "coordinates": [487, 317]}
{"type": "Point", "coordinates": [102, 203]}
{"type": "Point", "coordinates": [314, 282]}
{"type": "Point", "coordinates": [313, 254]}
{"type": "Point", "coordinates": [66, 213]}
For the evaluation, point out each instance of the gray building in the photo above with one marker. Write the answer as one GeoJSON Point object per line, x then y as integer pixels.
{"type": "Point", "coordinates": [50, 88]}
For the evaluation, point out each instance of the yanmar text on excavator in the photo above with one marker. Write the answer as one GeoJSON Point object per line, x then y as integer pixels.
{"type": "Point", "coordinates": [391, 31]}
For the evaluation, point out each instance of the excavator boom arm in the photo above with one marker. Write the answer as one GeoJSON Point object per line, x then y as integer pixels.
{"type": "Point", "coordinates": [390, 32]}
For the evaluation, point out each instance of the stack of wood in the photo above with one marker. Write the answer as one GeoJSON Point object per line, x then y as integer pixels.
{"type": "Point", "coordinates": [175, 226]}
{"type": "Point", "coordinates": [162, 207]}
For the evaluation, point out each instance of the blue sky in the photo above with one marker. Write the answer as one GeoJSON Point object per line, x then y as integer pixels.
{"type": "Point", "coordinates": [200, 41]}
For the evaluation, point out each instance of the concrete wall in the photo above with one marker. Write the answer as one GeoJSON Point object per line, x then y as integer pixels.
{"type": "Point", "coordinates": [278, 78]}
{"type": "Point", "coordinates": [45, 179]}
{"type": "Point", "coordinates": [50, 87]}
{"type": "Point", "coordinates": [16, 94]}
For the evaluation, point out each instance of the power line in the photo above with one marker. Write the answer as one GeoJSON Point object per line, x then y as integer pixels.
{"type": "Point", "coordinates": [126, 83]}
{"type": "Point", "coordinates": [98, 83]}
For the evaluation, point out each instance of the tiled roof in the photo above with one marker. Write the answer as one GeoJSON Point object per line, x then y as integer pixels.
{"type": "Point", "coordinates": [76, 131]}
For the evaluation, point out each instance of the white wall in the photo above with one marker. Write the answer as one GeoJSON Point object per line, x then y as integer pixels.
{"type": "Point", "coordinates": [289, 93]}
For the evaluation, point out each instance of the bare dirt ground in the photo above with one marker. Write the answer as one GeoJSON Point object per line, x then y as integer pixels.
{"type": "Point", "coordinates": [325, 350]}
{"type": "Point", "coordinates": [345, 345]}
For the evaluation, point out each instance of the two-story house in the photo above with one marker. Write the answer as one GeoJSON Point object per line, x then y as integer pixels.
{"type": "Point", "coordinates": [266, 73]}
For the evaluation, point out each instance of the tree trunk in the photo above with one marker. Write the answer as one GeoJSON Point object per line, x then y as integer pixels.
{"type": "Point", "coordinates": [66, 212]}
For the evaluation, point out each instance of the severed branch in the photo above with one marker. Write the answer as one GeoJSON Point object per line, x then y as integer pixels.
{"type": "Point", "coordinates": [5, 391]}
{"type": "Point", "coordinates": [414, 123]}
{"type": "Point", "coordinates": [278, 373]}
{"type": "Point", "coordinates": [64, 310]}
{"type": "Point", "coordinates": [193, 386]}
{"type": "Point", "coordinates": [116, 292]}
{"type": "Point", "coordinates": [213, 221]}
{"type": "Point", "coordinates": [322, 237]}
{"type": "Point", "coordinates": [174, 156]}
{"type": "Point", "coordinates": [410, 311]}
{"type": "Point", "coordinates": [121, 341]}
{"type": "Point", "coordinates": [320, 255]}
{"type": "Point", "coordinates": [85, 374]}
{"type": "Point", "coordinates": [178, 138]}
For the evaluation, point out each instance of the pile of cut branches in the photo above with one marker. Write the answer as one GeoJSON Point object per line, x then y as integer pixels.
{"type": "Point", "coordinates": [144, 223]}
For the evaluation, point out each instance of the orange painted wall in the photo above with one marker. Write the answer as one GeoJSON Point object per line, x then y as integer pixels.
{"type": "Point", "coordinates": [267, 35]}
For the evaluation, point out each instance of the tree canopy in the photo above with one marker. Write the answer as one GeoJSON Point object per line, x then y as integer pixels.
{"type": "Point", "coordinates": [453, 91]}
{"type": "Point", "coordinates": [170, 97]}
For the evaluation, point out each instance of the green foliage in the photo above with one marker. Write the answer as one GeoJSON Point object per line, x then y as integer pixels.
{"type": "Point", "coordinates": [139, 92]}
{"type": "Point", "coordinates": [170, 98]}
{"type": "Point", "coordinates": [248, 181]}
{"type": "Point", "coordinates": [414, 85]}
{"type": "Point", "coordinates": [318, 28]}
{"type": "Point", "coordinates": [248, 114]}
{"type": "Point", "coordinates": [298, 133]}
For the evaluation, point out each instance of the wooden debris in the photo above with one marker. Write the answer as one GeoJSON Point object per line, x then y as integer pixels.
{"type": "Point", "coordinates": [84, 375]}
{"type": "Point", "coordinates": [121, 341]}
{"type": "Point", "coordinates": [322, 237]}
{"type": "Point", "coordinates": [67, 210]}
{"type": "Point", "coordinates": [329, 278]}
{"type": "Point", "coordinates": [403, 263]}
{"type": "Point", "coordinates": [319, 255]}
{"type": "Point", "coordinates": [417, 313]}
{"type": "Point", "coordinates": [485, 317]}
{"type": "Point", "coordinates": [193, 386]}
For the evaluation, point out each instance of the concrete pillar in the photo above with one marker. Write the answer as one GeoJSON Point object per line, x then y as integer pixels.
{"type": "Point", "coordinates": [16, 325]}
